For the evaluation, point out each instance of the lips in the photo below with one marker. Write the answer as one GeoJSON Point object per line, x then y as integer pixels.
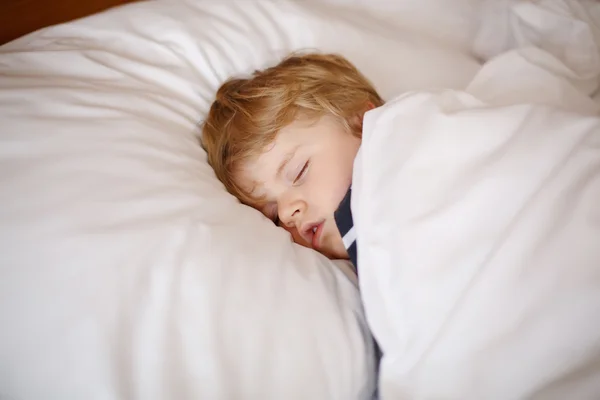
{"type": "Point", "coordinates": [316, 239]}
{"type": "Point", "coordinates": [311, 233]}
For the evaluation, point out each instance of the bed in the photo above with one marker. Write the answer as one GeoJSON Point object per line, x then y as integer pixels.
{"type": "Point", "coordinates": [126, 270]}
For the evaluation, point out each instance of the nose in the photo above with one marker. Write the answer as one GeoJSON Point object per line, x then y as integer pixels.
{"type": "Point", "coordinates": [291, 212]}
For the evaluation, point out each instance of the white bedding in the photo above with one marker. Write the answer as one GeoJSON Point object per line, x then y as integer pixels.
{"type": "Point", "coordinates": [478, 222]}
{"type": "Point", "coordinates": [126, 270]}
{"type": "Point", "coordinates": [451, 21]}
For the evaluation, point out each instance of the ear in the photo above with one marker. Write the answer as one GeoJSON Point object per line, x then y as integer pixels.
{"type": "Point", "coordinates": [358, 119]}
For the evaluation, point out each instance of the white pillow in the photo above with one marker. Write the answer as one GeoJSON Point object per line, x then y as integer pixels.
{"type": "Point", "coordinates": [126, 271]}
{"type": "Point", "coordinates": [450, 21]}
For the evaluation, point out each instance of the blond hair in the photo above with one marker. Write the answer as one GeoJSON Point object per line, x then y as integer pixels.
{"type": "Point", "coordinates": [248, 113]}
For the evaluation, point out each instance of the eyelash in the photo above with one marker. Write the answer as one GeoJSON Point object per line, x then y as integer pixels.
{"type": "Point", "coordinates": [302, 172]}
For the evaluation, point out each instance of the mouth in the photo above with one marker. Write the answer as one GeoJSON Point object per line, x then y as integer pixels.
{"type": "Point", "coordinates": [312, 234]}
{"type": "Point", "coordinates": [316, 239]}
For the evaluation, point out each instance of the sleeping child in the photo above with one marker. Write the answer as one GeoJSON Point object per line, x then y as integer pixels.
{"type": "Point", "coordinates": [471, 216]}
{"type": "Point", "coordinates": [285, 140]}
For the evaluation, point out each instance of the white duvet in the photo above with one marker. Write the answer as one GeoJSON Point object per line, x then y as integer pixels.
{"type": "Point", "coordinates": [478, 218]}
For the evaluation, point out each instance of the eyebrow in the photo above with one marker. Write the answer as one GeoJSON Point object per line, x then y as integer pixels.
{"type": "Point", "coordinates": [288, 157]}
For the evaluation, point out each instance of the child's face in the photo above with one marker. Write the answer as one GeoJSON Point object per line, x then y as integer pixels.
{"type": "Point", "coordinates": [304, 176]}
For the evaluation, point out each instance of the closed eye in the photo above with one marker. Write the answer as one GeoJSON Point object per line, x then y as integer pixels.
{"type": "Point", "coordinates": [302, 172]}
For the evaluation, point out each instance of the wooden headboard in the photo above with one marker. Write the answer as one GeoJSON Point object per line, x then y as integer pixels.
{"type": "Point", "coordinates": [18, 17]}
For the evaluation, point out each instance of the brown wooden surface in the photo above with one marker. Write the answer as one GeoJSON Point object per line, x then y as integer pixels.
{"type": "Point", "coordinates": [18, 17]}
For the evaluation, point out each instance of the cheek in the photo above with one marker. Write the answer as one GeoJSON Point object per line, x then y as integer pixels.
{"type": "Point", "coordinates": [334, 246]}
{"type": "Point", "coordinates": [334, 185]}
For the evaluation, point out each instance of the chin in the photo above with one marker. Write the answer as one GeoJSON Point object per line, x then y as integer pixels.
{"type": "Point", "coordinates": [335, 254]}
